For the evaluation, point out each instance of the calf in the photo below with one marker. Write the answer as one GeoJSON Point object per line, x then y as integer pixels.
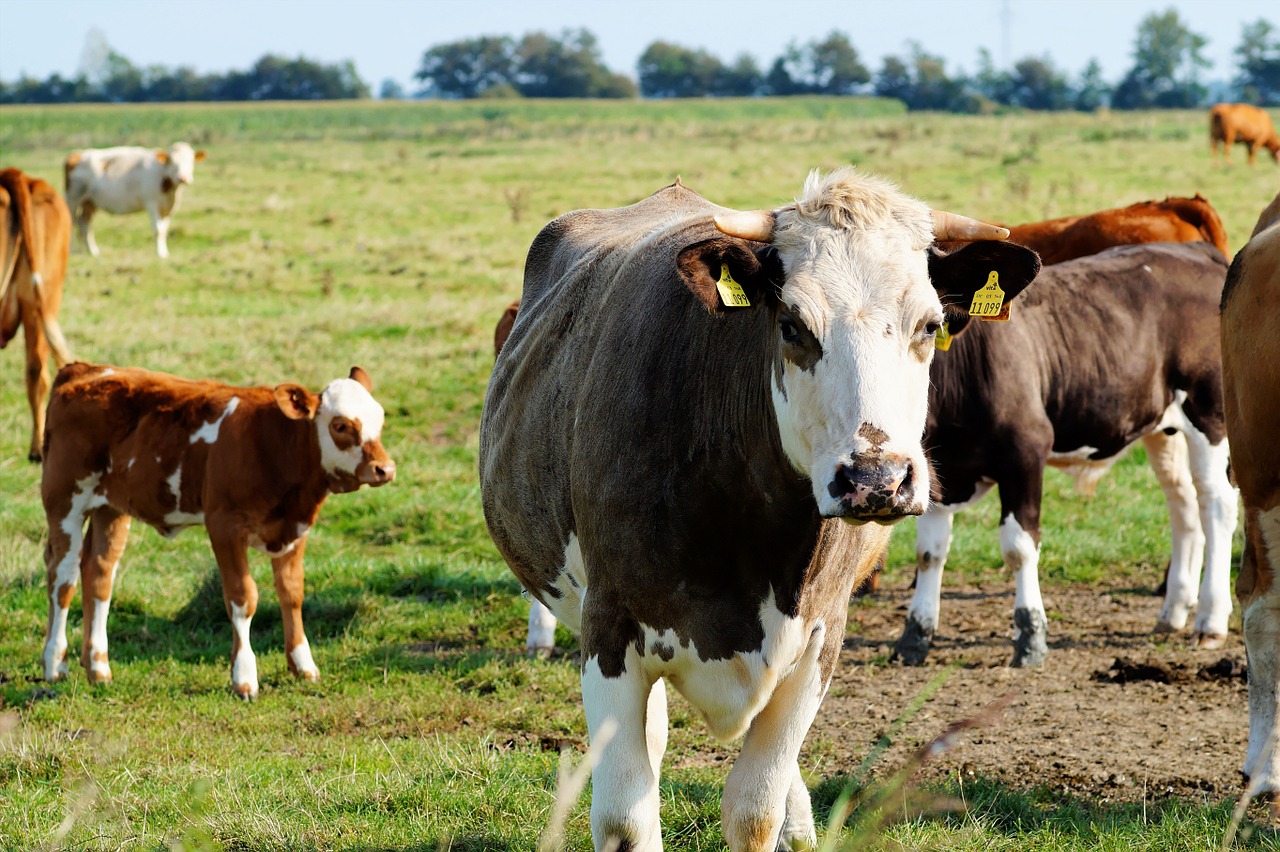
{"type": "Point", "coordinates": [251, 464]}
{"type": "Point", "coordinates": [127, 180]}
{"type": "Point", "coordinates": [35, 238]}
{"type": "Point", "coordinates": [1244, 123]}
{"type": "Point", "coordinates": [1105, 351]}
{"type": "Point", "coordinates": [1251, 378]}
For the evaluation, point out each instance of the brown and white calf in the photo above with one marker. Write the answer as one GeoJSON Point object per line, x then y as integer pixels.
{"type": "Point", "coordinates": [1106, 350]}
{"type": "Point", "coordinates": [1251, 378]}
{"type": "Point", "coordinates": [252, 465]}
{"type": "Point", "coordinates": [35, 239]}
{"type": "Point", "coordinates": [129, 180]}
{"type": "Point", "coordinates": [693, 443]}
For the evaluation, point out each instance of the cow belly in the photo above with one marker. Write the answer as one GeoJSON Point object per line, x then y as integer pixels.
{"type": "Point", "coordinates": [731, 692]}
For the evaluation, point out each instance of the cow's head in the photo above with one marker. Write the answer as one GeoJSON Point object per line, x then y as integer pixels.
{"type": "Point", "coordinates": [179, 164]}
{"type": "Point", "coordinates": [858, 298]}
{"type": "Point", "coordinates": [348, 423]}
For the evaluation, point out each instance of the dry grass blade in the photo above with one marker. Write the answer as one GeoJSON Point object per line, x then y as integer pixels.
{"type": "Point", "coordinates": [569, 786]}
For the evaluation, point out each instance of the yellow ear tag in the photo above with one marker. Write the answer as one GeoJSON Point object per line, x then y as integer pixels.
{"type": "Point", "coordinates": [942, 340]}
{"type": "Point", "coordinates": [1003, 316]}
{"type": "Point", "coordinates": [731, 291]}
{"type": "Point", "coordinates": [988, 301]}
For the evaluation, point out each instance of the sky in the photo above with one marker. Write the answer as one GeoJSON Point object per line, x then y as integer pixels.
{"type": "Point", "coordinates": [386, 38]}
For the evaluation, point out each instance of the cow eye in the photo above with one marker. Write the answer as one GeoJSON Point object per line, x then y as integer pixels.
{"type": "Point", "coordinates": [790, 333]}
{"type": "Point", "coordinates": [339, 426]}
{"type": "Point", "coordinates": [932, 327]}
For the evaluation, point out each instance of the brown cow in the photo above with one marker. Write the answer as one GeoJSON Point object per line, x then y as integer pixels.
{"type": "Point", "coordinates": [35, 238]}
{"type": "Point", "coordinates": [1251, 378]}
{"type": "Point", "coordinates": [1243, 123]}
{"type": "Point", "coordinates": [503, 330]}
{"type": "Point", "coordinates": [251, 464]}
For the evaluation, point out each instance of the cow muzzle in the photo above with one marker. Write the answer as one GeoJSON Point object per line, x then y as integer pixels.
{"type": "Point", "coordinates": [879, 488]}
{"type": "Point", "coordinates": [376, 472]}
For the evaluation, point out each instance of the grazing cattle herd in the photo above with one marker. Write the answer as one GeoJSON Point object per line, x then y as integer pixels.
{"type": "Point", "coordinates": [700, 427]}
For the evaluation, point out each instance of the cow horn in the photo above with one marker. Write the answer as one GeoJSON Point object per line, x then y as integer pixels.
{"type": "Point", "coordinates": [952, 226]}
{"type": "Point", "coordinates": [752, 225]}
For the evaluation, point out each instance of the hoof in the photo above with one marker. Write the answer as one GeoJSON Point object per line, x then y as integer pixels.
{"type": "Point", "coordinates": [1209, 640]}
{"type": "Point", "coordinates": [541, 652]}
{"type": "Point", "coordinates": [99, 677]}
{"type": "Point", "coordinates": [1030, 645]}
{"type": "Point", "coordinates": [245, 691]}
{"type": "Point", "coordinates": [1163, 627]}
{"type": "Point", "coordinates": [310, 675]}
{"type": "Point", "coordinates": [33, 456]}
{"type": "Point", "coordinates": [913, 644]}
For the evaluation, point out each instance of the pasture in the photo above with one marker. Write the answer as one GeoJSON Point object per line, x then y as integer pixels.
{"type": "Point", "coordinates": [391, 236]}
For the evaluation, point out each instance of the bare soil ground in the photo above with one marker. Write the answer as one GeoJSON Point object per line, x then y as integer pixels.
{"type": "Point", "coordinates": [1116, 714]}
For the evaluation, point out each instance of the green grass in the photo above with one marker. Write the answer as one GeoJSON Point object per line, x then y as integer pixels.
{"type": "Point", "coordinates": [391, 236]}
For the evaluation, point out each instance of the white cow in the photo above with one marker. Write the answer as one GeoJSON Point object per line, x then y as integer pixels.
{"type": "Point", "coordinates": [126, 180]}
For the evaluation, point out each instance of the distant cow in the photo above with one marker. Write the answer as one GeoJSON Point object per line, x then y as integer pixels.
{"type": "Point", "coordinates": [692, 445]}
{"type": "Point", "coordinates": [1243, 123]}
{"type": "Point", "coordinates": [1105, 351]}
{"type": "Point", "coordinates": [503, 329]}
{"type": "Point", "coordinates": [128, 180]}
{"type": "Point", "coordinates": [1251, 375]}
{"type": "Point", "coordinates": [251, 464]}
{"type": "Point", "coordinates": [35, 238]}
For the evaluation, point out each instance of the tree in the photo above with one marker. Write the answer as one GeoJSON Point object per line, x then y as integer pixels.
{"type": "Point", "coordinates": [828, 67]}
{"type": "Point", "coordinates": [1036, 84]}
{"type": "Point", "coordinates": [391, 90]}
{"type": "Point", "coordinates": [464, 69]}
{"type": "Point", "coordinates": [1167, 60]}
{"type": "Point", "coordinates": [1092, 91]}
{"type": "Point", "coordinates": [741, 79]}
{"type": "Point", "coordinates": [1259, 56]}
{"type": "Point", "coordinates": [566, 67]}
{"type": "Point", "coordinates": [669, 71]}
{"type": "Point", "coordinates": [894, 80]}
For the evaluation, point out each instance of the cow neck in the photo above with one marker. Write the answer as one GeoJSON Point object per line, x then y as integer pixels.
{"type": "Point", "coordinates": [292, 450]}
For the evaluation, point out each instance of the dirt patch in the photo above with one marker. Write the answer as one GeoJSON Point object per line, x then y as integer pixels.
{"type": "Point", "coordinates": [1116, 714]}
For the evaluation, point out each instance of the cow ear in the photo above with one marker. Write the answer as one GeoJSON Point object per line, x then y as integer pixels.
{"type": "Point", "coordinates": [296, 402]}
{"type": "Point", "coordinates": [200, 155]}
{"type": "Point", "coordinates": [162, 157]}
{"type": "Point", "coordinates": [965, 271]}
{"type": "Point", "coordinates": [362, 378]}
{"type": "Point", "coordinates": [750, 276]}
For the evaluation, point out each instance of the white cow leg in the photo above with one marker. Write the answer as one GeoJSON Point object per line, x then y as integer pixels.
{"type": "Point", "coordinates": [1218, 515]}
{"type": "Point", "coordinates": [1030, 626]}
{"type": "Point", "coordinates": [655, 726]}
{"type": "Point", "coordinates": [933, 542]}
{"type": "Point", "coordinates": [84, 224]}
{"type": "Point", "coordinates": [1170, 462]}
{"type": "Point", "coordinates": [761, 797]}
{"type": "Point", "coordinates": [108, 533]}
{"type": "Point", "coordinates": [161, 226]}
{"type": "Point", "coordinates": [542, 629]}
{"type": "Point", "coordinates": [62, 572]}
{"type": "Point", "coordinates": [1262, 643]}
{"type": "Point", "coordinates": [624, 796]}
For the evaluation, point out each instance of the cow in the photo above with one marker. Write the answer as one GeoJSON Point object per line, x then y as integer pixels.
{"type": "Point", "coordinates": [503, 329]}
{"type": "Point", "coordinates": [127, 180]}
{"type": "Point", "coordinates": [1251, 378]}
{"type": "Point", "coordinates": [252, 465]}
{"type": "Point", "coordinates": [35, 239]}
{"type": "Point", "coordinates": [693, 445]}
{"type": "Point", "coordinates": [1244, 123]}
{"type": "Point", "coordinates": [1108, 350]}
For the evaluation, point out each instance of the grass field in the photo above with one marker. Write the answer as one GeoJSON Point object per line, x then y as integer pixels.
{"type": "Point", "coordinates": [391, 236]}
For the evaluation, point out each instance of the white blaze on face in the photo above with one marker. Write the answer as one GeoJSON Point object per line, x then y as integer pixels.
{"type": "Point", "coordinates": [863, 292]}
{"type": "Point", "coordinates": [182, 163]}
{"type": "Point", "coordinates": [347, 398]}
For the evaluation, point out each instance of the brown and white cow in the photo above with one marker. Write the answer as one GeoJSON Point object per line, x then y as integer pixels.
{"type": "Point", "coordinates": [1107, 350]}
{"type": "Point", "coordinates": [129, 180]}
{"type": "Point", "coordinates": [1251, 378]}
{"type": "Point", "coordinates": [1244, 123]}
{"type": "Point", "coordinates": [35, 239]}
{"type": "Point", "coordinates": [692, 445]}
{"type": "Point", "coordinates": [251, 464]}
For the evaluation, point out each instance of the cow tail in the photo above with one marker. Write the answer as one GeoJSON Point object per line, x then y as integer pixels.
{"type": "Point", "coordinates": [35, 255]}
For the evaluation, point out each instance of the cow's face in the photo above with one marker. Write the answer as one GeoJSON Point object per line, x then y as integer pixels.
{"type": "Point", "coordinates": [348, 423]}
{"type": "Point", "coordinates": [179, 163]}
{"type": "Point", "coordinates": [857, 316]}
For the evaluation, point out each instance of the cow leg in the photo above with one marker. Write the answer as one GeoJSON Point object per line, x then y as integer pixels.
{"type": "Point", "coordinates": [38, 380]}
{"type": "Point", "coordinates": [542, 629]}
{"type": "Point", "coordinates": [1170, 463]}
{"type": "Point", "coordinates": [108, 533]}
{"type": "Point", "coordinates": [160, 225]}
{"type": "Point", "coordinates": [1218, 515]}
{"type": "Point", "coordinates": [762, 795]}
{"type": "Point", "coordinates": [655, 726]}
{"type": "Point", "coordinates": [83, 215]}
{"type": "Point", "coordinates": [1020, 548]}
{"type": "Point", "coordinates": [287, 573]}
{"type": "Point", "coordinates": [241, 596]}
{"type": "Point", "coordinates": [933, 542]}
{"type": "Point", "coordinates": [1260, 598]}
{"type": "Point", "coordinates": [624, 798]}
{"type": "Point", "coordinates": [66, 520]}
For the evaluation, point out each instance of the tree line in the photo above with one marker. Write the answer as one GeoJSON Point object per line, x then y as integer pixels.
{"type": "Point", "coordinates": [1167, 72]}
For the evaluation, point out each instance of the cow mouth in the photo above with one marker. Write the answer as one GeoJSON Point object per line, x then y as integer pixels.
{"type": "Point", "coordinates": [885, 517]}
